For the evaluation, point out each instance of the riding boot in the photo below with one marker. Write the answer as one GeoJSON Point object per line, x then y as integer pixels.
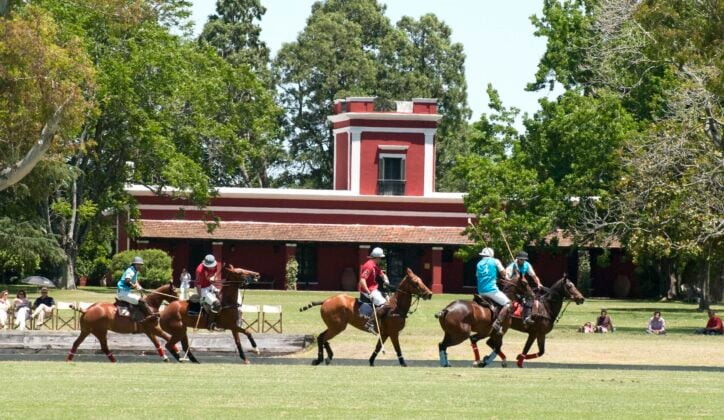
{"type": "Point", "coordinates": [147, 312]}
{"type": "Point", "coordinates": [502, 318]}
{"type": "Point", "coordinates": [527, 318]}
{"type": "Point", "coordinates": [371, 325]}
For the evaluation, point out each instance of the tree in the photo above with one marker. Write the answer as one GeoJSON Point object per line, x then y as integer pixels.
{"type": "Point", "coordinates": [43, 79]}
{"type": "Point", "coordinates": [512, 206]}
{"type": "Point", "coordinates": [419, 60]}
{"type": "Point", "coordinates": [349, 48]}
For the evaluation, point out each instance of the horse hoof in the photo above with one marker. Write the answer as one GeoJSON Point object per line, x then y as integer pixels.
{"type": "Point", "coordinates": [246, 362]}
{"type": "Point", "coordinates": [504, 364]}
{"type": "Point", "coordinates": [403, 364]}
{"type": "Point", "coordinates": [316, 362]}
{"type": "Point", "coordinates": [165, 360]}
{"type": "Point", "coordinates": [327, 361]}
{"type": "Point", "coordinates": [257, 351]}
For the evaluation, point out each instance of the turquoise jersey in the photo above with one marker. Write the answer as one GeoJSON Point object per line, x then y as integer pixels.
{"type": "Point", "coordinates": [523, 270]}
{"type": "Point", "coordinates": [487, 274]}
{"type": "Point", "coordinates": [130, 271]}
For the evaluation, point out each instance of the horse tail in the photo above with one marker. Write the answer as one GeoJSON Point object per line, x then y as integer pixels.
{"type": "Point", "coordinates": [441, 314]}
{"type": "Point", "coordinates": [73, 307]}
{"type": "Point", "coordinates": [310, 305]}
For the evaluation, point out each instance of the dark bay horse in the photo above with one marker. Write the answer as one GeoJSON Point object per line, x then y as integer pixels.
{"type": "Point", "coordinates": [552, 301]}
{"type": "Point", "coordinates": [341, 310]}
{"type": "Point", "coordinates": [101, 317]}
{"type": "Point", "coordinates": [463, 319]}
{"type": "Point", "coordinates": [175, 318]}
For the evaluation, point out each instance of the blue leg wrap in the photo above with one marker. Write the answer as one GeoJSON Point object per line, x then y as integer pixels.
{"type": "Point", "coordinates": [443, 358]}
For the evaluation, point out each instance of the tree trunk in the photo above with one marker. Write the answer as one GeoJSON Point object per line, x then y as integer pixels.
{"type": "Point", "coordinates": [16, 172]}
{"type": "Point", "coordinates": [69, 274]}
{"type": "Point", "coordinates": [704, 300]}
{"type": "Point", "coordinates": [672, 280]}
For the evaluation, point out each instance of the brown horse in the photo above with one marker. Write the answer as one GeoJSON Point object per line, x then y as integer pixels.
{"type": "Point", "coordinates": [461, 318]}
{"type": "Point", "coordinates": [551, 302]}
{"type": "Point", "coordinates": [175, 318]}
{"type": "Point", "coordinates": [101, 317]}
{"type": "Point", "coordinates": [340, 310]}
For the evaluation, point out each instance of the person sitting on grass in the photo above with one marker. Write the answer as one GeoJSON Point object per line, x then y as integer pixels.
{"type": "Point", "coordinates": [657, 325]}
{"type": "Point", "coordinates": [586, 328]}
{"type": "Point", "coordinates": [713, 326]}
{"type": "Point", "coordinates": [603, 322]}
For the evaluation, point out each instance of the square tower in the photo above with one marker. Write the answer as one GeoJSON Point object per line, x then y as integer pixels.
{"type": "Point", "coordinates": [384, 153]}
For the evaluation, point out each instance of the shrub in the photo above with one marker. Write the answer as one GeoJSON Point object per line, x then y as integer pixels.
{"type": "Point", "coordinates": [292, 273]}
{"type": "Point", "coordinates": [156, 269]}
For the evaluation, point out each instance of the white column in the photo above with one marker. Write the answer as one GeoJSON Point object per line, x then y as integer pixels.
{"type": "Point", "coordinates": [356, 146]}
{"type": "Point", "coordinates": [429, 177]}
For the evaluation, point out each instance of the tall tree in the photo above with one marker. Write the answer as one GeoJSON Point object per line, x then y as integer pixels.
{"type": "Point", "coordinates": [43, 76]}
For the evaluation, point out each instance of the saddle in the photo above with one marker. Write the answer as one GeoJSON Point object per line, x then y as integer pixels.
{"type": "Point", "coordinates": [126, 310]}
{"type": "Point", "coordinates": [486, 302]}
{"type": "Point", "coordinates": [364, 306]}
{"type": "Point", "coordinates": [194, 305]}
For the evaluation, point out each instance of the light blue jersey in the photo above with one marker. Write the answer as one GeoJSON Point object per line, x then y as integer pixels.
{"type": "Point", "coordinates": [522, 269]}
{"type": "Point", "coordinates": [487, 274]}
{"type": "Point", "coordinates": [133, 274]}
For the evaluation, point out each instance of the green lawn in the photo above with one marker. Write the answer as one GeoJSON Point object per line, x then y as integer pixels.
{"type": "Point", "coordinates": [152, 390]}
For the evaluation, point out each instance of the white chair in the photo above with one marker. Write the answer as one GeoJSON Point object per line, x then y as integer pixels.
{"type": "Point", "coordinates": [249, 316]}
{"type": "Point", "coordinates": [266, 324]}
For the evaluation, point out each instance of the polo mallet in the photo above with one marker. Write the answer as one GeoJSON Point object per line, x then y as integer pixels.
{"type": "Point", "coordinates": [379, 334]}
{"type": "Point", "coordinates": [504, 239]}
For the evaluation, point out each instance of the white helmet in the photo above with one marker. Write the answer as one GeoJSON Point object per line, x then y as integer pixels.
{"type": "Point", "coordinates": [487, 252]}
{"type": "Point", "coordinates": [377, 253]}
{"type": "Point", "coordinates": [210, 261]}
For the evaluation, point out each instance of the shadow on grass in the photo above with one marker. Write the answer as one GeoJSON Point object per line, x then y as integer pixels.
{"type": "Point", "coordinates": [388, 361]}
{"type": "Point", "coordinates": [650, 311]}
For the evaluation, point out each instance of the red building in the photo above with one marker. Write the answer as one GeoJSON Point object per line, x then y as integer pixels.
{"type": "Point", "coordinates": [384, 178]}
{"type": "Point", "coordinates": [384, 195]}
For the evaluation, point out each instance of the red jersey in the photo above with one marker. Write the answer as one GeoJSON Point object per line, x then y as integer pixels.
{"type": "Point", "coordinates": [369, 272]}
{"type": "Point", "coordinates": [715, 324]}
{"type": "Point", "coordinates": [203, 275]}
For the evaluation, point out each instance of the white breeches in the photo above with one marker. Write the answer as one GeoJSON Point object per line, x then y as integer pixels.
{"type": "Point", "coordinates": [128, 296]}
{"type": "Point", "coordinates": [208, 296]}
{"type": "Point", "coordinates": [498, 296]}
{"type": "Point", "coordinates": [376, 297]}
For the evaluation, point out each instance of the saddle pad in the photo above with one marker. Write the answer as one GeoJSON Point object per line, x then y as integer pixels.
{"type": "Point", "coordinates": [517, 310]}
{"type": "Point", "coordinates": [123, 311]}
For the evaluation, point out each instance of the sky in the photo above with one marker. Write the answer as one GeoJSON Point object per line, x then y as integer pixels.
{"type": "Point", "coordinates": [497, 37]}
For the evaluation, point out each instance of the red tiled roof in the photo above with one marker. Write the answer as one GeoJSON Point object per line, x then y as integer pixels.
{"type": "Point", "coordinates": [254, 231]}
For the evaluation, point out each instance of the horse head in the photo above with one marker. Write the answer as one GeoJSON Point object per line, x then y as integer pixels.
{"type": "Point", "coordinates": [413, 285]}
{"type": "Point", "coordinates": [568, 289]}
{"type": "Point", "coordinates": [169, 291]}
{"type": "Point", "coordinates": [240, 275]}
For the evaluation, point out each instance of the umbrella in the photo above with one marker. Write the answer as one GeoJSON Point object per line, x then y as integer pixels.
{"type": "Point", "coordinates": [38, 281]}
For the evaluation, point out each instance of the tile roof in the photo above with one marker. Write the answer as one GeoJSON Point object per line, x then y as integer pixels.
{"type": "Point", "coordinates": [297, 232]}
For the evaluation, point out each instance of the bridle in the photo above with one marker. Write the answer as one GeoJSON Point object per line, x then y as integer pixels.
{"type": "Point", "coordinates": [416, 294]}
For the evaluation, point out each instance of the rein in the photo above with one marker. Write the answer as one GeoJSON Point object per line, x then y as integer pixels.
{"type": "Point", "coordinates": [416, 303]}
{"type": "Point", "coordinates": [158, 293]}
{"type": "Point", "coordinates": [558, 318]}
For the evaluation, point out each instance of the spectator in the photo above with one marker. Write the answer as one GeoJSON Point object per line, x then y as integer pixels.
{"type": "Point", "coordinates": [603, 322]}
{"type": "Point", "coordinates": [713, 326]}
{"type": "Point", "coordinates": [657, 325]}
{"type": "Point", "coordinates": [22, 309]}
{"type": "Point", "coordinates": [586, 328]}
{"type": "Point", "coordinates": [185, 284]}
{"type": "Point", "coordinates": [4, 306]}
{"type": "Point", "coordinates": [42, 306]}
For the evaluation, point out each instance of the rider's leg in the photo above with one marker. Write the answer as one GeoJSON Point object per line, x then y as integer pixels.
{"type": "Point", "coordinates": [504, 314]}
{"type": "Point", "coordinates": [381, 308]}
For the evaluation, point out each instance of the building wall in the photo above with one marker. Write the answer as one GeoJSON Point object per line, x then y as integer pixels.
{"type": "Point", "coordinates": [341, 169]}
{"type": "Point", "coordinates": [331, 263]}
{"type": "Point", "coordinates": [415, 160]}
{"type": "Point", "coordinates": [268, 259]}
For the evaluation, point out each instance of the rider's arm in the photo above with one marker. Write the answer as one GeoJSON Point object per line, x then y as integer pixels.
{"type": "Point", "coordinates": [534, 276]}
{"type": "Point", "coordinates": [502, 271]}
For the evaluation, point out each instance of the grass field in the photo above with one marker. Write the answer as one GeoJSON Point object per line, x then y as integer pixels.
{"type": "Point", "coordinates": [627, 374]}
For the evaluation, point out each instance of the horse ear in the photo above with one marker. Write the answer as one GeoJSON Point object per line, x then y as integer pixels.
{"type": "Point", "coordinates": [408, 271]}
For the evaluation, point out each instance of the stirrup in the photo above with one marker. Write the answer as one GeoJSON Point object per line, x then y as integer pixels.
{"type": "Point", "coordinates": [529, 321]}
{"type": "Point", "coordinates": [497, 327]}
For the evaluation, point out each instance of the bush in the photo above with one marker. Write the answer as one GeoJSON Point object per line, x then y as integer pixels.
{"type": "Point", "coordinates": [156, 269]}
{"type": "Point", "coordinates": [292, 273]}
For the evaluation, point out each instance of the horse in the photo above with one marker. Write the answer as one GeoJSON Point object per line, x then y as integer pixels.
{"type": "Point", "coordinates": [175, 318]}
{"type": "Point", "coordinates": [101, 317]}
{"type": "Point", "coordinates": [340, 310]}
{"type": "Point", "coordinates": [461, 318]}
{"type": "Point", "coordinates": [551, 302]}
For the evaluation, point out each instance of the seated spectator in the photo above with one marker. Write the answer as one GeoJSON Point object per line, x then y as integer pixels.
{"type": "Point", "coordinates": [42, 306]}
{"type": "Point", "coordinates": [657, 325]}
{"type": "Point", "coordinates": [713, 326]}
{"type": "Point", "coordinates": [603, 322]}
{"type": "Point", "coordinates": [586, 328]}
{"type": "Point", "coordinates": [4, 306]}
{"type": "Point", "coordinates": [22, 309]}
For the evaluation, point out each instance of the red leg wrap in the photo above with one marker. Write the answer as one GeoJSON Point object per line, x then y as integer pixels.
{"type": "Point", "coordinates": [531, 356]}
{"type": "Point", "coordinates": [70, 357]}
{"type": "Point", "coordinates": [111, 357]}
{"type": "Point", "coordinates": [476, 352]}
{"type": "Point", "coordinates": [160, 351]}
{"type": "Point", "coordinates": [521, 358]}
{"type": "Point", "coordinates": [502, 355]}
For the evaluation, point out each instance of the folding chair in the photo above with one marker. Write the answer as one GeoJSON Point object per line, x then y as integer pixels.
{"type": "Point", "coordinates": [11, 319]}
{"type": "Point", "coordinates": [48, 319]}
{"type": "Point", "coordinates": [249, 315]}
{"type": "Point", "coordinates": [267, 325]}
{"type": "Point", "coordinates": [65, 316]}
